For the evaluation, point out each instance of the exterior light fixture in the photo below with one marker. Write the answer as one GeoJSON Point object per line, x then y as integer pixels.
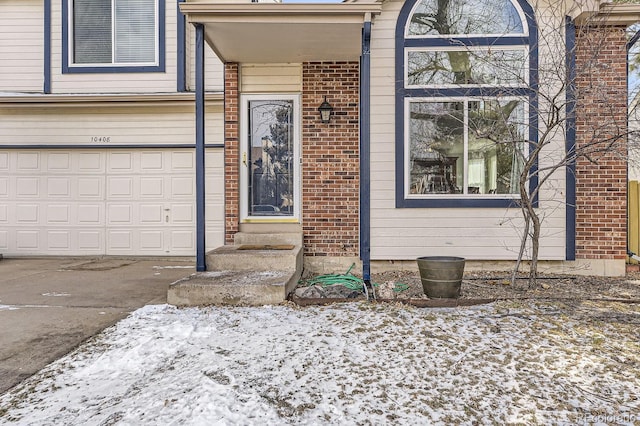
{"type": "Point", "coordinates": [325, 109]}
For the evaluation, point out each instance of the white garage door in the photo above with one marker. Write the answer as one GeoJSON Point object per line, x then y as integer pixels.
{"type": "Point", "coordinates": [105, 202]}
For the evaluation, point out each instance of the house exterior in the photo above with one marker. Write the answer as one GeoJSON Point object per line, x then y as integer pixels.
{"type": "Point", "coordinates": [212, 128]}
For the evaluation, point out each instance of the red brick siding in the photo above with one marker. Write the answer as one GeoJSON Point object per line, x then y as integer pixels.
{"type": "Point", "coordinates": [330, 159]}
{"type": "Point", "coordinates": [231, 149]}
{"type": "Point", "coordinates": [601, 184]}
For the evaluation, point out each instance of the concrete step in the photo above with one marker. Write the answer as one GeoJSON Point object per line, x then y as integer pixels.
{"type": "Point", "coordinates": [245, 288]}
{"type": "Point", "coordinates": [294, 238]}
{"type": "Point", "coordinates": [255, 257]}
{"type": "Point", "coordinates": [259, 269]}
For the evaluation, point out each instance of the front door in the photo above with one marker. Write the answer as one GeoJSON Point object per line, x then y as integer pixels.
{"type": "Point", "coordinates": [270, 159]}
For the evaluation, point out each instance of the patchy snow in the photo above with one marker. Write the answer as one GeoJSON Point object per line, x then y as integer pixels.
{"type": "Point", "coordinates": [360, 363]}
{"type": "Point", "coordinates": [54, 294]}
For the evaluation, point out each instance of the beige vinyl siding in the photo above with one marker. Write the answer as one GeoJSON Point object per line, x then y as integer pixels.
{"type": "Point", "coordinates": [264, 78]}
{"type": "Point", "coordinates": [213, 67]}
{"type": "Point", "coordinates": [125, 125]}
{"type": "Point", "coordinates": [406, 233]}
{"type": "Point", "coordinates": [21, 46]}
{"type": "Point", "coordinates": [114, 82]}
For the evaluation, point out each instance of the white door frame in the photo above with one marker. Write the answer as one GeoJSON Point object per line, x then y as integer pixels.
{"type": "Point", "coordinates": [244, 155]}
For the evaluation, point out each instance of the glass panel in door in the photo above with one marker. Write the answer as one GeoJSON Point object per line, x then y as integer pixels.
{"type": "Point", "coordinates": [270, 158]}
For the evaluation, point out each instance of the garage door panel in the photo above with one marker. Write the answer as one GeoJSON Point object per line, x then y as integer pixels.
{"type": "Point", "coordinates": [4, 240]}
{"type": "Point", "coordinates": [182, 213]}
{"type": "Point", "coordinates": [152, 187]}
{"type": "Point", "coordinates": [59, 162]}
{"type": "Point", "coordinates": [4, 161]}
{"type": "Point", "coordinates": [4, 187]}
{"type": "Point", "coordinates": [59, 187]}
{"type": "Point", "coordinates": [120, 162]}
{"type": "Point", "coordinates": [119, 187]}
{"type": "Point", "coordinates": [120, 240]}
{"type": "Point", "coordinates": [183, 240]}
{"type": "Point", "coordinates": [119, 214]}
{"type": "Point", "coordinates": [90, 187]}
{"type": "Point", "coordinates": [27, 214]}
{"type": "Point", "coordinates": [27, 187]}
{"type": "Point", "coordinates": [152, 240]}
{"type": "Point", "coordinates": [58, 214]}
{"type": "Point", "coordinates": [151, 161]}
{"type": "Point", "coordinates": [59, 240]}
{"type": "Point", "coordinates": [151, 214]}
{"type": "Point", "coordinates": [91, 240]}
{"type": "Point", "coordinates": [28, 161]}
{"type": "Point", "coordinates": [90, 214]}
{"type": "Point", "coordinates": [28, 240]}
{"type": "Point", "coordinates": [90, 162]}
{"type": "Point", "coordinates": [183, 186]}
{"type": "Point", "coordinates": [181, 160]}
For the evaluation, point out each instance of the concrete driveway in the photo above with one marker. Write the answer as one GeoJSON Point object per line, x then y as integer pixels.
{"type": "Point", "coordinates": [48, 306]}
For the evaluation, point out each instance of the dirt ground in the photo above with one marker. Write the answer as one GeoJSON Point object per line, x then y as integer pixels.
{"type": "Point", "coordinates": [497, 285]}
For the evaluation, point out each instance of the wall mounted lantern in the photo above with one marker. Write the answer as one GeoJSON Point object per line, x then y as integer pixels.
{"type": "Point", "coordinates": [325, 109]}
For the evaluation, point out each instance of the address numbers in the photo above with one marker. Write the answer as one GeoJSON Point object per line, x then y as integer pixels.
{"type": "Point", "coordinates": [100, 139]}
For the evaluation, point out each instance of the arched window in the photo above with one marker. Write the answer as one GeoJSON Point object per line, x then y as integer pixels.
{"type": "Point", "coordinates": [466, 85]}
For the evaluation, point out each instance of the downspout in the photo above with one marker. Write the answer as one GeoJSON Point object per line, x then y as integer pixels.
{"type": "Point", "coordinates": [200, 218]}
{"type": "Point", "coordinates": [365, 154]}
{"type": "Point", "coordinates": [630, 45]}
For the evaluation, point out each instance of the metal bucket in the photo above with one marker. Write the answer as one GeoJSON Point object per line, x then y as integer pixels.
{"type": "Point", "coordinates": [441, 276]}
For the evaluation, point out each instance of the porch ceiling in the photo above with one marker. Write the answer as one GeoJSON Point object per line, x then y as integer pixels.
{"type": "Point", "coordinates": [282, 32]}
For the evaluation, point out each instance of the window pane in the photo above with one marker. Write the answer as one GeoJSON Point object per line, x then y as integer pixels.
{"type": "Point", "coordinates": [135, 31]}
{"type": "Point", "coordinates": [436, 147]}
{"type": "Point", "coordinates": [460, 67]}
{"type": "Point", "coordinates": [92, 31]}
{"type": "Point", "coordinates": [496, 146]}
{"type": "Point", "coordinates": [465, 17]}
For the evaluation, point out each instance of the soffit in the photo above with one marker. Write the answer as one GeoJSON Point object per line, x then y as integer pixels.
{"type": "Point", "coordinates": [282, 32]}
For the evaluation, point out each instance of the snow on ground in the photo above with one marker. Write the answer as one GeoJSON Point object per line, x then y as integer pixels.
{"type": "Point", "coordinates": [509, 362]}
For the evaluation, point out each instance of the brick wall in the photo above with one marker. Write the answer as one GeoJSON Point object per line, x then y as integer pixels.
{"type": "Point", "coordinates": [231, 149]}
{"type": "Point", "coordinates": [601, 111]}
{"type": "Point", "coordinates": [330, 164]}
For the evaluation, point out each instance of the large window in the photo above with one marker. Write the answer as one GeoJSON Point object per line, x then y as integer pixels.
{"type": "Point", "coordinates": [113, 35]}
{"type": "Point", "coordinates": [465, 84]}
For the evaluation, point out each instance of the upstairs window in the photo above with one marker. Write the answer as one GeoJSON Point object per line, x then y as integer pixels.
{"type": "Point", "coordinates": [465, 85]}
{"type": "Point", "coordinates": [114, 35]}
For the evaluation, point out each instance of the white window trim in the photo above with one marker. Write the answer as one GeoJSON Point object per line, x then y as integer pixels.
{"type": "Point", "coordinates": [71, 28]}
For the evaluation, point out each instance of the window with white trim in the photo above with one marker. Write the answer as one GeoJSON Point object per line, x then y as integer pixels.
{"type": "Point", "coordinates": [465, 87]}
{"type": "Point", "coordinates": [113, 34]}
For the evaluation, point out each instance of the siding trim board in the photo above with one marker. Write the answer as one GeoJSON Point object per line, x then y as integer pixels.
{"type": "Point", "coordinates": [46, 86]}
{"type": "Point", "coordinates": [110, 69]}
{"type": "Point", "coordinates": [401, 93]}
{"type": "Point", "coordinates": [181, 50]}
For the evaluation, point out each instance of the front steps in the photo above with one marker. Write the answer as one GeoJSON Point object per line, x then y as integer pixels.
{"type": "Point", "coordinates": [259, 269]}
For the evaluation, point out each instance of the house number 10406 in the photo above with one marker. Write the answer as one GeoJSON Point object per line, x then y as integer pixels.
{"type": "Point", "coordinates": [100, 139]}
